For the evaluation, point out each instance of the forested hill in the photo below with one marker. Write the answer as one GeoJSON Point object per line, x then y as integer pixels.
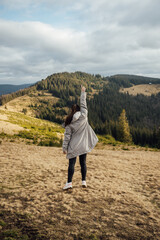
{"type": "Point", "coordinates": [9, 88]}
{"type": "Point", "coordinates": [104, 100]}
{"type": "Point", "coordinates": [125, 80]}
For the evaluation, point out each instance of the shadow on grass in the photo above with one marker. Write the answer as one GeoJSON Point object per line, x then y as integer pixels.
{"type": "Point", "coordinates": [15, 226]}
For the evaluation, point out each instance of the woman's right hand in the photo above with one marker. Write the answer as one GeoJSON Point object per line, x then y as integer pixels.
{"type": "Point", "coordinates": [83, 89]}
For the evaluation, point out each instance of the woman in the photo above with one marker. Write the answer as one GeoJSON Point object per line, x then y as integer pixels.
{"type": "Point", "coordinates": [79, 139]}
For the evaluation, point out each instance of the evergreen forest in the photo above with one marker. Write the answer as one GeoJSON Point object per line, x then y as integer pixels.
{"type": "Point", "coordinates": [105, 103]}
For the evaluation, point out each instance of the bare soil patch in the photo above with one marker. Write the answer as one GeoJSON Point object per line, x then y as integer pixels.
{"type": "Point", "coordinates": [122, 200]}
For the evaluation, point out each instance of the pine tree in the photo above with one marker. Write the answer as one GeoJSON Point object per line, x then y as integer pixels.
{"type": "Point", "coordinates": [123, 134]}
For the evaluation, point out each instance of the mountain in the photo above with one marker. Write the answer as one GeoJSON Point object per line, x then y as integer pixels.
{"type": "Point", "coordinates": [52, 98]}
{"type": "Point", "coordinates": [9, 88]}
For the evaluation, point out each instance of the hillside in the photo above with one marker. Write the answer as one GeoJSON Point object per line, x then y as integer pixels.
{"type": "Point", "coordinates": [144, 89]}
{"type": "Point", "coordinates": [138, 85]}
{"type": "Point", "coordinates": [55, 88]}
{"type": "Point", "coordinates": [121, 201]}
{"type": "Point", "coordinates": [52, 98]}
{"type": "Point", "coordinates": [135, 79]}
{"type": "Point", "coordinates": [27, 102]}
{"type": "Point", "coordinates": [9, 88]}
{"type": "Point", "coordinates": [17, 127]}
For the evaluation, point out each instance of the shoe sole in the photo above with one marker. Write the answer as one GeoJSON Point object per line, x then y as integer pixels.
{"type": "Point", "coordinates": [67, 188]}
{"type": "Point", "coordinates": [84, 186]}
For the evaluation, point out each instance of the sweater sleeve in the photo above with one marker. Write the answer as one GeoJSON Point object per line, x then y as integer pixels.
{"type": "Point", "coordinates": [83, 104]}
{"type": "Point", "coordinates": [67, 137]}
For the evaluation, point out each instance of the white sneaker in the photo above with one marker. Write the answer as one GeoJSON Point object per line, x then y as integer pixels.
{"type": "Point", "coordinates": [67, 186]}
{"type": "Point", "coordinates": [84, 184]}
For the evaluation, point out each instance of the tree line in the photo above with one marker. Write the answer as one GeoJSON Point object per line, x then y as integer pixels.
{"type": "Point", "coordinates": [105, 107]}
{"type": "Point", "coordinates": [105, 104]}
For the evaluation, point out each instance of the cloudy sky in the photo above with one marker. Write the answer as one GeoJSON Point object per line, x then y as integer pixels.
{"type": "Point", "coordinates": [42, 37]}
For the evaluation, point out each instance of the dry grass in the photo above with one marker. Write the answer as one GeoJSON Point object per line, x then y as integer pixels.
{"type": "Point", "coordinates": [8, 127]}
{"type": "Point", "coordinates": [145, 89]}
{"type": "Point", "coordinates": [122, 200]}
{"type": "Point", "coordinates": [24, 102]}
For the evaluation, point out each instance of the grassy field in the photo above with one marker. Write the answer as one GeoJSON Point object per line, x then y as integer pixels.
{"type": "Point", "coordinates": [121, 201]}
{"type": "Point", "coordinates": [17, 127]}
{"type": "Point", "coordinates": [145, 89]}
{"type": "Point", "coordinates": [26, 101]}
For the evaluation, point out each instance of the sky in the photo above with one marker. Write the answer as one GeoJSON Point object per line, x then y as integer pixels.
{"type": "Point", "coordinates": [42, 37]}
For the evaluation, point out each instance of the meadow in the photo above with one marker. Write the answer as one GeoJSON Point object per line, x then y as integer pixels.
{"type": "Point", "coordinates": [122, 200]}
{"type": "Point", "coordinates": [20, 127]}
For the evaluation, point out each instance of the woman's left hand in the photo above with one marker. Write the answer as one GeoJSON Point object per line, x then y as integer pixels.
{"type": "Point", "coordinates": [64, 152]}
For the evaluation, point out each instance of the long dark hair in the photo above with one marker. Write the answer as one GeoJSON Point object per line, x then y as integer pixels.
{"type": "Point", "coordinates": [75, 108]}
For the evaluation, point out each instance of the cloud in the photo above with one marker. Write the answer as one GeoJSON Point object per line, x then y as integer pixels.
{"type": "Point", "coordinates": [142, 13]}
{"type": "Point", "coordinates": [106, 37]}
{"type": "Point", "coordinates": [36, 35]}
{"type": "Point", "coordinates": [39, 48]}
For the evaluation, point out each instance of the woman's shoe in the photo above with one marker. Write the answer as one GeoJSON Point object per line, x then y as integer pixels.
{"type": "Point", "coordinates": [84, 185]}
{"type": "Point", "coordinates": [67, 186]}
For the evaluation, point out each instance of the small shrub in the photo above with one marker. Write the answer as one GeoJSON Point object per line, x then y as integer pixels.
{"type": "Point", "coordinates": [2, 223]}
{"type": "Point", "coordinates": [35, 140]}
{"type": "Point", "coordinates": [25, 134]}
{"type": "Point", "coordinates": [93, 237]}
{"type": "Point", "coordinates": [125, 148]}
{"type": "Point", "coordinates": [10, 233]}
{"type": "Point", "coordinates": [24, 110]}
{"type": "Point", "coordinates": [49, 129]}
{"type": "Point", "coordinates": [2, 134]}
{"type": "Point", "coordinates": [107, 139]}
{"type": "Point", "coordinates": [50, 143]}
{"type": "Point", "coordinates": [114, 144]}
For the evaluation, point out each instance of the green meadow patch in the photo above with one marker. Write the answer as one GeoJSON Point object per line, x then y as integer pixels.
{"type": "Point", "coordinates": [36, 131]}
{"type": "Point", "coordinates": [107, 139]}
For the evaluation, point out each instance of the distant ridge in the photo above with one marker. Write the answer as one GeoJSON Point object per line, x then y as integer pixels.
{"type": "Point", "coordinates": [136, 78]}
{"type": "Point", "coordinates": [9, 88]}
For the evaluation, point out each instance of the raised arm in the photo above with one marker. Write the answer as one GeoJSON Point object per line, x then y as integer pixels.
{"type": "Point", "coordinates": [83, 103]}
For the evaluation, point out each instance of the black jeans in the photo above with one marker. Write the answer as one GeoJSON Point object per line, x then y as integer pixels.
{"type": "Point", "coordinates": [82, 161]}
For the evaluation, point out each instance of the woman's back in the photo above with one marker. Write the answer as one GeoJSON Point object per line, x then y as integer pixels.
{"type": "Point", "coordinates": [79, 136]}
